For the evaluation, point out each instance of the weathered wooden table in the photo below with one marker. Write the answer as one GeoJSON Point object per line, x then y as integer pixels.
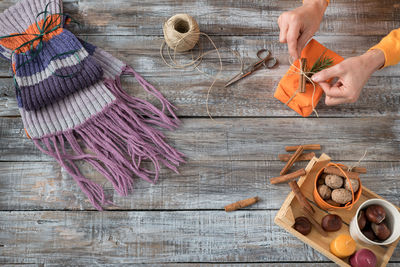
{"type": "Point", "coordinates": [46, 220]}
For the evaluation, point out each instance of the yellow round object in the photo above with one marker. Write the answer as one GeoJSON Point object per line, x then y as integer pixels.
{"type": "Point", "coordinates": [343, 246]}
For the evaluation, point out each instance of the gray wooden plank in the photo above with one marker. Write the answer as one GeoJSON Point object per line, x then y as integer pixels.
{"type": "Point", "coordinates": [277, 264]}
{"type": "Point", "coordinates": [251, 97]}
{"type": "Point", "coordinates": [250, 138]}
{"type": "Point", "coordinates": [149, 237]}
{"type": "Point", "coordinates": [143, 52]}
{"type": "Point", "coordinates": [51, 238]}
{"type": "Point", "coordinates": [200, 185]}
{"type": "Point", "coordinates": [126, 17]}
{"type": "Point", "coordinates": [293, 264]}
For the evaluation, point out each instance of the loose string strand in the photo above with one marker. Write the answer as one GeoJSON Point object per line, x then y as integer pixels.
{"type": "Point", "coordinates": [359, 161]}
{"type": "Point", "coordinates": [182, 42]}
{"type": "Point", "coordinates": [196, 62]}
{"type": "Point", "coordinates": [305, 74]}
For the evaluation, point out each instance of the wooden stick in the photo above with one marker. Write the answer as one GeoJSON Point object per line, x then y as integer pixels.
{"type": "Point", "coordinates": [288, 177]}
{"type": "Point", "coordinates": [355, 169]}
{"type": "Point", "coordinates": [306, 147]}
{"type": "Point", "coordinates": [300, 197]}
{"type": "Point", "coordinates": [302, 77]}
{"type": "Point", "coordinates": [302, 157]}
{"type": "Point", "coordinates": [292, 160]}
{"type": "Point", "coordinates": [359, 169]}
{"type": "Point", "coordinates": [306, 207]}
{"type": "Point", "coordinates": [241, 204]}
{"type": "Point", "coordinates": [336, 171]}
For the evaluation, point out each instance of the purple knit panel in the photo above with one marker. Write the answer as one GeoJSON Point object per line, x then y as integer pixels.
{"type": "Point", "coordinates": [54, 88]}
{"type": "Point", "coordinates": [57, 45]}
{"type": "Point", "coordinates": [90, 48]}
{"type": "Point", "coordinates": [4, 54]}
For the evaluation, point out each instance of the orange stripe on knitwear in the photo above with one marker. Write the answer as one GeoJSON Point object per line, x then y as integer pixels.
{"type": "Point", "coordinates": [328, 1]}
{"type": "Point", "coordinates": [13, 43]}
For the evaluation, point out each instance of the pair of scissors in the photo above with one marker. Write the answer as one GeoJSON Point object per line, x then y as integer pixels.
{"type": "Point", "coordinates": [265, 60]}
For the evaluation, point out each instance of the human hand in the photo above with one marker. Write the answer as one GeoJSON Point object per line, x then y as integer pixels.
{"type": "Point", "coordinates": [352, 73]}
{"type": "Point", "coordinates": [299, 25]}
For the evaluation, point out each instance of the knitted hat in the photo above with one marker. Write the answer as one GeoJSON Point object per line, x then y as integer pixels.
{"type": "Point", "coordinates": [107, 128]}
{"type": "Point", "coordinates": [57, 65]}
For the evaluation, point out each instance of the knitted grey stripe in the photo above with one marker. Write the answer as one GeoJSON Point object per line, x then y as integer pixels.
{"type": "Point", "coordinates": [112, 66]}
{"type": "Point", "coordinates": [75, 109]}
{"type": "Point", "coordinates": [52, 68]}
{"type": "Point", "coordinates": [17, 18]}
{"type": "Point", "coordinates": [6, 53]}
{"type": "Point", "coordinates": [67, 113]}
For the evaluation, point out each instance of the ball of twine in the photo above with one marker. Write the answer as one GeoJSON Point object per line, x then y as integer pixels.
{"type": "Point", "coordinates": [181, 32]}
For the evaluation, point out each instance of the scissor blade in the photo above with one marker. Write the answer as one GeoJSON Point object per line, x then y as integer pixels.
{"type": "Point", "coordinates": [237, 78]}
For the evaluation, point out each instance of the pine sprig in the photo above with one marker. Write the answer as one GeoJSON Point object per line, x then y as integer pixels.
{"type": "Point", "coordinates": [321, 63]}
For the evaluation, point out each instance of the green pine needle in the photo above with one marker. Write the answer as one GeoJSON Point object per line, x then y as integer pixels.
{"type": "Point", "coordinates": [323, 62]}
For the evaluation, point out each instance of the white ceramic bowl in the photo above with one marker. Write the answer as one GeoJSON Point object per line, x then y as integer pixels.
{"type": "Point", "coordinates": [392, 220]}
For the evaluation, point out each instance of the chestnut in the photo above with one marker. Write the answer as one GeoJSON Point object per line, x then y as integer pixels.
{"type": "Point", "coordinates": [362, 220]}
{"type": "Point", "coordinates": [381, 230]}
{"type": "Point", "coordinates": [369, 233]}
{"type": "Point", "coordinates": [302, 225]}
{"type": "Point", "coordinates": [331, 223]}
{"type": "Point", "coordinates": [375, 214]}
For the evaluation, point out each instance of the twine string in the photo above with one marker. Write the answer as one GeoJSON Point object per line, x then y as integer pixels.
{"type": "Point", "coordinates": [305, 74]}
{"type": "Point", "coordinates": [350, 204]}
{"type": "Point", "coordinates": [182, 42]}
{"type": "Point", "coordinates": [359, 161]}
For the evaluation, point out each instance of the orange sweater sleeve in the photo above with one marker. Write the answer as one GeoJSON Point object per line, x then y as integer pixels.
{"type": "Point", "coordinates": [325, 0]}
{"type": "Point", "coordinates": [390, 46]}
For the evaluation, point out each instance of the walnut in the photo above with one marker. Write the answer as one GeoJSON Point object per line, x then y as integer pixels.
{"type": "Point", "coordinates": [324, 191]}
{"type": "Point", "coordinates": [341, 196]}
{"type": "Point", "coordinates": [354, 183]}
{"type": "Point", "coordinates": [334, 181]}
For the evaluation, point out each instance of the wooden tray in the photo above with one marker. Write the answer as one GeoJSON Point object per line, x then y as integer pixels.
{"type": "Point", "coordinates": [291, 209]}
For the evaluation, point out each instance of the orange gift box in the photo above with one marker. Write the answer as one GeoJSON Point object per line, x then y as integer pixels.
{"type": "Point", "coordinates": [287, 87]}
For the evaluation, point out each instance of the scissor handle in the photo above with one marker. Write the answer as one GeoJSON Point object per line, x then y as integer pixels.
{"type": "Point", "coordinates": [268, 62]}
{"type": "Point", "coordinates": [261, 51]}
{"type": "Point", "coordinates": [271, 63]}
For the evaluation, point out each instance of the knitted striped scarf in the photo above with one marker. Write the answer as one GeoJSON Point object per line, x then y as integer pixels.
{"type": "Point", "coordinates": [73, 107]}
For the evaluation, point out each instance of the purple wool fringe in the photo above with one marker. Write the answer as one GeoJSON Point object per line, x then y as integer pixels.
{"type": "Point", "coordinates": [120, 139]}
